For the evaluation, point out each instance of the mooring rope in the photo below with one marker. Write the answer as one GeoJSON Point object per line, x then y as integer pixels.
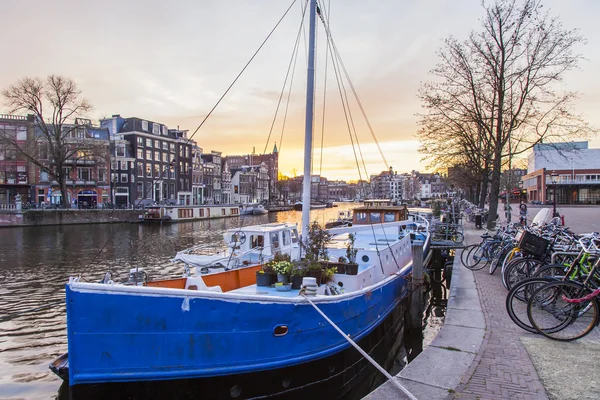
{"type": "Point", "coordinates": [361, 351]}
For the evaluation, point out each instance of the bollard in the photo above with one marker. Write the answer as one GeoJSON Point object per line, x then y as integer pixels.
{"type": "Point", "coordinates": [416, 302]}
{"type": "Point", "coordinates": [562, 219]}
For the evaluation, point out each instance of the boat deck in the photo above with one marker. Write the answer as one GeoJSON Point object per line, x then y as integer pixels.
{"type": "Point", "coordinates": [266, 291]}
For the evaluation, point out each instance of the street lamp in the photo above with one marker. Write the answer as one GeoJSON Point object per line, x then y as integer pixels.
{"type": "Point", "coordinates": [554, 179]}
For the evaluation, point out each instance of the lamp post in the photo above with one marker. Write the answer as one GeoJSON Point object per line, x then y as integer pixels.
{"type": "Point", "coordinates": [520, 191]}
{"type": "Point", "coordinates": [554, 179]}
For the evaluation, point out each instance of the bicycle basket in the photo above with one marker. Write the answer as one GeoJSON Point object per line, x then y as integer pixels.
{"type": "Point", "coordinates": [533, 244]}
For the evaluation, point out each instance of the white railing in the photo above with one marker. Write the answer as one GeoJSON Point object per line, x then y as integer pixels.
{"type": "Point", "coordinates": [576, 181]}
{"type": "Point", "coordinates": [7, 207]}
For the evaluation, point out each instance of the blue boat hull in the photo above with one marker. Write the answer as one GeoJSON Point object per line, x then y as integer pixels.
{"type": "Point", "coordinates": [344, 375]}
{"type": "Point", "coordinates": [120, 336]}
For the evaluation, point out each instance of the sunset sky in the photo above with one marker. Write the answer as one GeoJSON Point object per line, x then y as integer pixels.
{"type": "Point", "coordinates": [170, 62]}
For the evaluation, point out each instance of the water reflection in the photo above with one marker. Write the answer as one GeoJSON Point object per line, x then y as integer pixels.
{"type": "Point", "coordinates": [36, 262]}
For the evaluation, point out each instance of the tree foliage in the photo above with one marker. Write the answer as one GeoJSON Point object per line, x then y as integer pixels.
{"type": "Point", "coordinates": [57, 106]}
{"type": "Point", "coordinates": [496, 94]}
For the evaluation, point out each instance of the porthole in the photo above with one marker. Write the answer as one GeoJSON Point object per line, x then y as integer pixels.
{"type": "Point", "coordinates": [235, 391]}
{"type": "Point", "coordinates": [341, 284]}
{"type": "Point", "coordinates": [280, 330]}
{"type": "Point", "coordinates": [286, 382]}
{"type": "Point", "coordinates": [365, 258]}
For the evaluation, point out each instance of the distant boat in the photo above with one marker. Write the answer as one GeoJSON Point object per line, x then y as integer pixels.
{"type": "Point", "coordinates": [180, 213]}
{"type": "Point", "coordinates": [253, 209]}
{"type": "Point", "coordinates": [298, 206]}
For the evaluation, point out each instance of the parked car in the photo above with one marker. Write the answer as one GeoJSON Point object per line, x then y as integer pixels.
{"type": "Point", "coordinates": [536, 202]}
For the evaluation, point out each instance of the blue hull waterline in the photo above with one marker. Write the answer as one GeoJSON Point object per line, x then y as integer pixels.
{"type": "Point", "coordinates": [124, 333]}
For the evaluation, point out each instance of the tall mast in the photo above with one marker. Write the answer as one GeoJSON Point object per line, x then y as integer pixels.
{"type": "Point", "coordinates": [308, 133]}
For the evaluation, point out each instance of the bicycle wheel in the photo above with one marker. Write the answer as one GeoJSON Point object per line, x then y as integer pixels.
{"type": "Point", "coordinates": [458, 237]}
{"type": "Point", "coordinates": [518, 270]}
{"type": "Point", "coordinates": [498, 260]}
{"type": "Point", "coordinates": [551, 271]}
{"type": "Point", "coordinates": [551, 314]}
{"type": "Point", "coordinates": [465, 252]}
{"type": "Point", "coordinates": [476, 259]}
{"type": "Point", "coordinates": [517, 298]}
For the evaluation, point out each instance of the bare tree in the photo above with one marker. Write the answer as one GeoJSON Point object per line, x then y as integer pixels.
{"type": "Point", "coordinates": [54, 102]}
{"type": "Point", "coordinates": [503, 80]}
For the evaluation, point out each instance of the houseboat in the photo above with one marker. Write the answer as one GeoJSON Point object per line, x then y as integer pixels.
{"type": "Point", "coordinates": [179, 213]}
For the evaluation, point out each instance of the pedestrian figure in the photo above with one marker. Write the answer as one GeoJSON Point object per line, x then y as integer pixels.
{"type": "Point", "coordinates": [523, 213]}
{"type": "Point", "coordinates": [507, 211]}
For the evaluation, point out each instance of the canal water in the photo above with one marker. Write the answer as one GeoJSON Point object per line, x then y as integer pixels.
{"type": "Point", "coordinates": [36, 262]}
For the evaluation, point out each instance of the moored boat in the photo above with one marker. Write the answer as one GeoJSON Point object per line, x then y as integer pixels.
{"type": "Point", "coordinates": [179, 213]}
{"type": "Point", "coordinates": [220, 333]}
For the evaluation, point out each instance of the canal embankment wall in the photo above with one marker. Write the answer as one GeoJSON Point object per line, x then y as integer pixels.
{"type": "Point", "coordinates": [439, 369]}
{"type": "Point", "coordinates": [13, 218]}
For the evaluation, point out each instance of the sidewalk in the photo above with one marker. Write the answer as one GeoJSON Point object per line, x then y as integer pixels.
{"type": "Point", "coordinates": [515, 364]}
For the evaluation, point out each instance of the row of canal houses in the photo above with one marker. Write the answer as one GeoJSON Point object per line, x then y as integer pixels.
{"type": "Point", "coordinates": [135, 161]}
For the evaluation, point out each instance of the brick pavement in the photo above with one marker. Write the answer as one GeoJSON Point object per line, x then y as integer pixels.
{"type": "Point", "coordinates": [502, 368]}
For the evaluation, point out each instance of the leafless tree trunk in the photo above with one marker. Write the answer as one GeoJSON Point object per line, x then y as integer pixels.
{"type": "Point", "coordinates": [53, 101]}
{"type": "Point", "coordinates": [503, 80]}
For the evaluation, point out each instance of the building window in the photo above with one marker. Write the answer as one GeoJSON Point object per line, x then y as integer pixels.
{"type": "Point", "coordinates": [121, 150]}
{"type": "Point", "coordinates": [140, 153]}
{"type": "Point", "coordinates": [84, 174]}
{"type": "Point", "coordinates": [172, 147]}
{"type": "Point", "coordinates": [124, 178]}
{"type": "Point", "coordinates": [148, 142]}
{"type": "Point", "coordinates": [145, 126]}
{"type": "Point", "coordinates": [140, 190]}
{"type": "Point", "coordinates": [140, 169]}
{"type": "Point", "coordinates": [140, 141]}
{"type": "Point", "coordinates": [156, 129]}
{"type": "Point", "coordinates": [166, 157]}
{"type": "Point", "coordinates": [102, 174]}
{"type": "Point", "coordinates": [157, 156]}
{"type": "Point", "coordinates": [157, 170]}
{"type": "Point", "coordinates": [149, 170]}
{"type": "Point", "coordinates": [166, 146]}
{"type": "Point", "coordinates": [165, 131]}
{"type": "Point", "coordinates": [148, 154]}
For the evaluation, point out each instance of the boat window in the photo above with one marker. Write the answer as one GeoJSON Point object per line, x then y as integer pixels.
{"type": "Point", "coordinates": [389, 217]}
{"type": "Point", "coordinates": [361, 217]}
{"type": "Point", "coordinates": [294, 236]}
{"type": "Point", "coordinates": [287, 239]}
{"type": "Point", "coordinates": [275, 240]}
{"type": "Point", "coordinates": [257, 241]}
{"type": "Point", "coordinates": [375, 217]}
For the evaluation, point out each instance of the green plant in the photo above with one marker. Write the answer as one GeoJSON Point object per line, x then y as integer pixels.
{"type": "Point", "coordinates": [328, 274]}
{"type": "Point", "coordinates": [267, 268]}
{"type": "Point", "coordinates": [351, 252]}
{"type": "Point", "coordinates": [283, 267]}
{"type": "Point", "coordinates": [279, 256]}
{"type": "Point", "coordinates": [315, 243]}
{"type": "Point", "coordinates": [298, 269]}
{"type": "Point", "coordinates": [342, 260]}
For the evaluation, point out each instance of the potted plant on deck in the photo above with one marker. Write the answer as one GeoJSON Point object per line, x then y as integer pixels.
{"type": "Point", "coordinates": [265, 276]}
{"type": "Point", "coordinates": [351, 252]}
{"type": "Point", "coordinates": [283, 269]}
{"type": "Point", "coordinates": [297, 273]}
{"type": "Point", "coordinates": [315, 250]}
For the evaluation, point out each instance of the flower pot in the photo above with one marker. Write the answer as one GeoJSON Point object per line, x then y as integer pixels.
{"type": "Point", "coordinates": [296, 281]}
{"type": "Point", "coordinates": [264, 279]}
{"type": "Point", "coordinates": [315, 274]}
{"type": "Point", "coordinates": [283, 278]}
{"type": "Point", "coordinates": [340, 267]}
{"type": "Point", "coordinates": [351, 269]}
